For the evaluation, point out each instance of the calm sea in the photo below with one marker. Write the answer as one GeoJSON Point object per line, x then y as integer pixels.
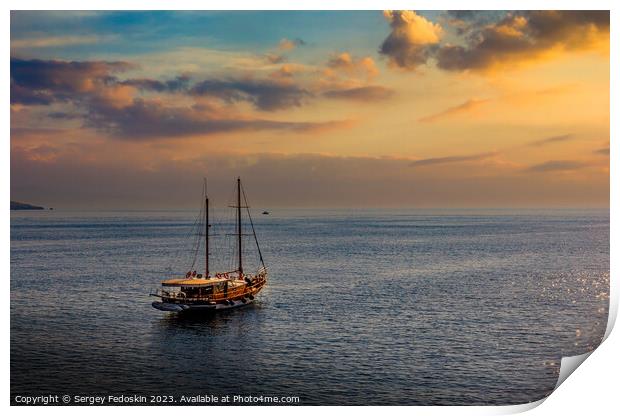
{"type": "Point", "coordinates": [362, 307]}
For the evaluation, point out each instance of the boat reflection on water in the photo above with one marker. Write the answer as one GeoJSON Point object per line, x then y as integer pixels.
{"type": "Point", "coordinates": [210, 323]}
{"type": "Point", "coordinates": [207, 352]}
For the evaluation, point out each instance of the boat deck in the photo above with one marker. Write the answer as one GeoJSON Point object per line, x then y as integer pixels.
{"type": "Point", "coordinates": [201, 282]}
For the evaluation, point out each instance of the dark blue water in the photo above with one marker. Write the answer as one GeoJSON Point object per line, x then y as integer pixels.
{"type": "Point", "coordinates": [362, 307]}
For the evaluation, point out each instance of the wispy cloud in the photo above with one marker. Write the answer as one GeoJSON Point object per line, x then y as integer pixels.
{"type": "Point", "coordinates": [602, 151]}
{"type": "Point", "coordinates": [149, 120]}
{"type": "Point", "coordinates": [278, 55]}
{"type": "Point", "coordinates": [467, 106]}
{"type": "Point", "coordinates": [552, 140]}
{"type": "Point", "coordinates": [452, 159]}
{"type": "Point", "coordinates": [180, 83]}
{"type": "Point", "coordinates": [264, 95]}
{"type": "Point", "coordinates": [558, 165]}
{"type": "Point", "coordinates": [57, 41]}
{"type": "Point", "coordinates": [366, 94]}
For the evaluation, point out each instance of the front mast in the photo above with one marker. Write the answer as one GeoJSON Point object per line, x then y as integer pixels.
{"type": "Point", "coordinates": [239, 224]}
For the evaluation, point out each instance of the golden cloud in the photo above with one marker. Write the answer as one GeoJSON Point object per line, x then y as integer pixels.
{"type": "Point", "coordinates": [348, 64]}
{"type": "Point", "coordinates": [529, 36]}
{"type": "Point", "coordinates": [411, 40]}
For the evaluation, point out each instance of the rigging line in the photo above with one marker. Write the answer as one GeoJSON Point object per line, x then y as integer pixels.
{"type": "Point", "coordinates": [195, 253]}
{"type": "Point", "coordinates": [260, 254]}
{"type": "Point", "coordinates": [222, 245]}
{"type": "Point", "coordinates": [228, 241]}
{"type": "Point", "coordinates": [191, 231]}
{"type": "Point", "coordinates": [233, 241]}
{"type": "Point", "coordinates": [187, 235]}
{"type": "Point", "coordinates": [183, 249]}
{"type": "Point", "coordinates": [195, 227]}
{"type": "Point", "coordinates": [197, 237]}
{"type": "Point", "coordinates": [214, 244]}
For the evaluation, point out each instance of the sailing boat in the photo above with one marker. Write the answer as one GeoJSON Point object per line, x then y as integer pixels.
{"type": "Point", "coordinates": [223, 290]}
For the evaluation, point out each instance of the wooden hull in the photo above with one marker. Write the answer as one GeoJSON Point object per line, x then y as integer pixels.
{"type": "Point", "coordinates": [236, 298]}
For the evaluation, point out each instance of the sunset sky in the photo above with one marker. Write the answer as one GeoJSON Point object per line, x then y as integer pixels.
{"type": "Point", "coordinates": [311, 109]}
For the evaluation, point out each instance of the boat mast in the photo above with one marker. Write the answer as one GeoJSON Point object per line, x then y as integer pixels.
{"type": "Point", "coordinates": [206, 232]}
{"type": "Point", "coordinates": [239, 224]}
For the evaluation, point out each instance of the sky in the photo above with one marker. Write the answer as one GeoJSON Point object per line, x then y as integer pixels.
{"type": "Point", "coordinates": [130, 110]}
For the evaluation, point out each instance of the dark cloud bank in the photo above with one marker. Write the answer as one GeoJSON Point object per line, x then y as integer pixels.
{"type": "Point", "coordinates": [91, 87]}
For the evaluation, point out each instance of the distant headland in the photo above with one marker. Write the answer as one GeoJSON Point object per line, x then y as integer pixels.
{"type": "Point", "coordinates": [23, 206]}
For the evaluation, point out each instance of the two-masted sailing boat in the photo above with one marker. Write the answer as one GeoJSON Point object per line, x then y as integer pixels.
{"type": "Point", "coordinates": [215, 291]}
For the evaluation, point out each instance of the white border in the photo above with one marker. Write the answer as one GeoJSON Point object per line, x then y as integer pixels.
{"type": "Point", "coordinates": [310, 5]}
{"type": "Point", "coordinates": [591, 389]}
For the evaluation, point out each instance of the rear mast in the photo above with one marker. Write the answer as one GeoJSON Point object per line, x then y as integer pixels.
{"type": "Point", "coordinates": [206, 232]}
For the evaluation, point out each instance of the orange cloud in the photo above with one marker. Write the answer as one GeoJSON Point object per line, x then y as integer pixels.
{"type": "Point", "coordinates": [348, 64]}
{"type": "Point", "coordinates": [287, 44]}
{"type": "Point", "coordinates": [288, 70]}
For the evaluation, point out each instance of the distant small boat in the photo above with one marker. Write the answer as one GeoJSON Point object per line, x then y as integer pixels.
{"type": "Point", "coordinates": [217, 291]}
{"type": "Point", "coordinates": [265, 212]}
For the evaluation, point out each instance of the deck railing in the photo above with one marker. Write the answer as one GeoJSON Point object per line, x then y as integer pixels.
{"type": "Point", "coordinates": [230, 293]}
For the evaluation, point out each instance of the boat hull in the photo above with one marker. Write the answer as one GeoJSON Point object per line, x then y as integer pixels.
{"type": "Point", "coordinates": [234, 297]}
{"type": "Point", "coordinates": [182, 307]}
